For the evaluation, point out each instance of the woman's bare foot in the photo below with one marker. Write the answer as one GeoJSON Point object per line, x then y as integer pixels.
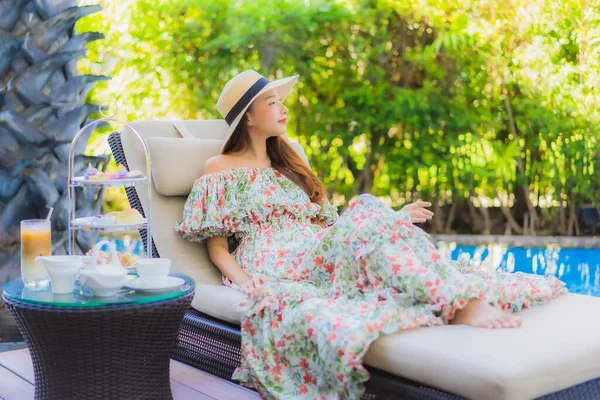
{"type": "Point", "coordinates": [482, 315]}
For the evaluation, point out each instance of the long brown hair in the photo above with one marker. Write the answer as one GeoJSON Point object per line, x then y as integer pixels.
{"type": "Point", "coordinates": [283, 158]}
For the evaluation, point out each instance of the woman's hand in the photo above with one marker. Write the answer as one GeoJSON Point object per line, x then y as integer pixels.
{"type": "Point", "coordinates": [253, 286]}
{"type": "Point", "coordinates": [418, 212]}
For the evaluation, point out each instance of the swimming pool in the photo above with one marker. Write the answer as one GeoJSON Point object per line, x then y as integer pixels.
{"type": "Point", "coordinates": [578, 268]}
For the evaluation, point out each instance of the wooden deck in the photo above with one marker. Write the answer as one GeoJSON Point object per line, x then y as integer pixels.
{"type": "Point", "coordinates": [187, 383]}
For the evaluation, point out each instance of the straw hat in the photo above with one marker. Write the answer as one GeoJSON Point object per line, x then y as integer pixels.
{"type": "Point", "coordinates": [242, 90]}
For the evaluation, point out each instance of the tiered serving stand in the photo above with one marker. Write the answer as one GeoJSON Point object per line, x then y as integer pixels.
{"type": "Point", "coordinates": [87, 223]}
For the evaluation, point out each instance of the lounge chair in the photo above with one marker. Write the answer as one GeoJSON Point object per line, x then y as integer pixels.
{"type": "Point", "coordinates": [554, 355]}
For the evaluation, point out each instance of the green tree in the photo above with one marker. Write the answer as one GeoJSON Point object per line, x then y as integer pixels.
{"type": "Point", "coordinates": [487, 109]}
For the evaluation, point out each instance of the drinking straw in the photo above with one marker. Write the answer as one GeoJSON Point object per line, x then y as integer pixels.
{"type": "Point", "coordinates": [49, 212]}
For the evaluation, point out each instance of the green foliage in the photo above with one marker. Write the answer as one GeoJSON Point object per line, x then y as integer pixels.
{"type": "Point", "coordinates": [433, 99]}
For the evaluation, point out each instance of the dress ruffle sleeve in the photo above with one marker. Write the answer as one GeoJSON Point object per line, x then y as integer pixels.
{"type": "Point", "coordinates": [211, 209]}
{"type": "Point", "coordinates": [328, 213]}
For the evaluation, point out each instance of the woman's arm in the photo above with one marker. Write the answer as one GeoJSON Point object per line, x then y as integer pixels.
{"type": "Point", "coordinates": [218, 251]}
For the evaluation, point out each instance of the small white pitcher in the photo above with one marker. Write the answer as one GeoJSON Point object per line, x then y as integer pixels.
{"type": "Point", "coordinates": [104, 280]}
{"type": "Point", "coordinates": [62, 271]}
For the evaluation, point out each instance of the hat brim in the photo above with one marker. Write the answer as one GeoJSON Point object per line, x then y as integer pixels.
{"type": "Point", "coordinates": [284, 87]}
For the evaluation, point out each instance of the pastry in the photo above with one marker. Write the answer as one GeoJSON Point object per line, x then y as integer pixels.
{"type": "Point", "coordinates": [126, 217]}
{"type": "Point", "coordinates": [126, 259]}
{"type": "Point", "coordinates": [100, 176]}
{"type": "Point", "coordinates": [120, 173]}
{"type": "Point", "coordinates": [93, 174]}
{"type": "Point", "coordinates": [91, 171]}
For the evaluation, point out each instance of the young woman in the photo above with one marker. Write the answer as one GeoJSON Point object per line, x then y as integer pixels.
{"type": "Point", "coordinates": [322, 287]}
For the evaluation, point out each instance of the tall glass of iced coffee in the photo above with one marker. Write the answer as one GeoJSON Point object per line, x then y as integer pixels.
{"type": "Point", "coordinates": [36, 240]}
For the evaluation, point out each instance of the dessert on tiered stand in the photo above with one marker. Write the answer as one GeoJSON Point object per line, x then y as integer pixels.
{"type": "Point", "coordinates": [92, 174]}
{"type": "Point", "coordinates": [98, 274]}
{"type": "Point", "coordinates": [126, 259]}
{"type": "Point", "coordinates": [121, 177]}
{"type": "Point", "coordinates": [126, 217]}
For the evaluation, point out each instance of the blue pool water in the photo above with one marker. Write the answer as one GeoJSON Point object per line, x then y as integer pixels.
{"type": "Point", "coordinates": [578, 268]}
{"type": "Point", "coordinates": [128, 244]}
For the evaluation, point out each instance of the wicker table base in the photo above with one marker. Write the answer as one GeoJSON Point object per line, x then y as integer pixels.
{"type": "Point", "coordinates": [112, 352]}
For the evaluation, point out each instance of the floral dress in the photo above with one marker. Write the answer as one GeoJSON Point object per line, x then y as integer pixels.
{"type": "Point", "coordinates": [330, 292]}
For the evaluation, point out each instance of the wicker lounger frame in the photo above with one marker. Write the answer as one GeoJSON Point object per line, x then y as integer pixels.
{"type": "Point", "coordinates": [212, 345]}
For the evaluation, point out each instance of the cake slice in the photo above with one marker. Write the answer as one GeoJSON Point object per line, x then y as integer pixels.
{"type": "Point", "coordinates": [126, 217]}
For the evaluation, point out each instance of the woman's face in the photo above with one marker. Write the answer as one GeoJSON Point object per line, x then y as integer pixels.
{"type": "Point", "coordinates": [267, 116]}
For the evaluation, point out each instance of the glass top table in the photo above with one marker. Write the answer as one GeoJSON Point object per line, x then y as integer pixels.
{"type": "Point", "coordinates": [128, 337]}
{"type": "Point", "coordinates": [83, 297]}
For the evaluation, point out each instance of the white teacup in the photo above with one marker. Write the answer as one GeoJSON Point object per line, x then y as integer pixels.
{"type": "Point", "coordinates": [153, 271]}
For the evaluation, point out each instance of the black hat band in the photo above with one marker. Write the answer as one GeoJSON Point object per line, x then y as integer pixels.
{"type": "Point", "coordinates": [245, 99]}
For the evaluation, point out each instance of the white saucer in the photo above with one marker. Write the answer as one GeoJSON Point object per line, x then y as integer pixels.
{"type": "Point", "coordinates": [94, 222]}
{"type": "Point", "coordinates": [168, 282]}
{"type": "Point", "coordinates": [108, 182]}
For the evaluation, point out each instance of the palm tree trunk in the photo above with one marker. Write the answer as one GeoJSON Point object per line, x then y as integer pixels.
{"type": "Point", "coordinates": [42, 107]}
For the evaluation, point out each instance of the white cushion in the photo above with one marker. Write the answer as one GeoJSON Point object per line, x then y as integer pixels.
{"type": "Point", "coordinates": [557, 347]}
{"type": "Point", "coordinates": [177, 162]}
{"type": "Point", "coordinates": [218, 301]}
